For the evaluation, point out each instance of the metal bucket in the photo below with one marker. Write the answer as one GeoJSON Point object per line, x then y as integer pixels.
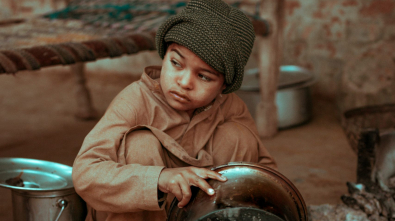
{"type": "Point", "coordinates": [47, 193]}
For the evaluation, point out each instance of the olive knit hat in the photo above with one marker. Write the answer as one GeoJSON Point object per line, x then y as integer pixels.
{"type": "Point", "coordinates": [219, 34]}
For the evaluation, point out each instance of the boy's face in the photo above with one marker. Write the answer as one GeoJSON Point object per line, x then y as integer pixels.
{"type": "Point", "coordinates": [187, 81]}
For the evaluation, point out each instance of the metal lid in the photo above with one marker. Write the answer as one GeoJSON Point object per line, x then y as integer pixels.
{"type": "Point", "coordinates": [289, 76]}
{"type": "Point", "coordinates": [36, 175]}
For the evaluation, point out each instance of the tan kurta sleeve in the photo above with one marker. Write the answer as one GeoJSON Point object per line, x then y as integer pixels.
{"type": "Point", "coordinates": [237, 112]}
{"type": "Point", "coordinates": [100, 175]}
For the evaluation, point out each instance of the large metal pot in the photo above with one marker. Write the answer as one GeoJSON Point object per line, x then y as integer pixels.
{"type": "Point", "coordinates": [293, 97]}
{"type": "Point", "coordinates": [252, 192]}
{"type": "Point", "coordinates": [47, 193]}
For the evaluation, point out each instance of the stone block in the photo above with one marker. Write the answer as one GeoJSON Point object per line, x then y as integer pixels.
{"type": "Point", "coordinates": [377, 8]}
{"type": "Point", "coordinates": [363, 31]}
{"type": "Point", "coordinates": [372, 71]}
{"type": "Point", "coordinates": [329, 49]}
{"type": "Point", "coordinates": [290, 32]}
{"type": "Point", "coordinates": [369, 78]}
{"type": "Point", "coordinates": [389, 32]}
{"type": "Point", "coordinates": [320, 31]}
{"type": "Point", "coordinates": [295, 52]}
{"type": "Point", "coordinates": [328, 72]}
{"type": "Point", "coordinates": [291, 6]}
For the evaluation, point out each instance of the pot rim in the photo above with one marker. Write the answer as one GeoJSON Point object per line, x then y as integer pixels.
{"type": "Point", "coordinates": [285, 187]}
{"type": "Point", "coordinates": [302, 84]}
{"type": "Point", "coordinates": [273, 172]}
{"type": "Point", "coordinates": [37, 175]}
{"type": "Point", "coordinates": [45, 193]}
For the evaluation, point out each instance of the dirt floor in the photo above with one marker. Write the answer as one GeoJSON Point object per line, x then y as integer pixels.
{"type": "Point", "coordinates": [37, 121]}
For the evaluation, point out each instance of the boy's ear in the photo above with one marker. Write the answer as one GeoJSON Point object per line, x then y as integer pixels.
{"type": "Point", "coordinates": [223, 87]}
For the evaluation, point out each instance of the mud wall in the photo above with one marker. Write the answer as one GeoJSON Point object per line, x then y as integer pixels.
{"type": "Point", "coordinates": [348, 44]}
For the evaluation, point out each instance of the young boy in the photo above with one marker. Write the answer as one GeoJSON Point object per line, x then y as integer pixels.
{"type": "Point", "coordinates": [163, 133]}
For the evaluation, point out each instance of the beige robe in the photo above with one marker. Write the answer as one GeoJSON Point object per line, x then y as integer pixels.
{"type": "Point", "coordinates": [116, 171]}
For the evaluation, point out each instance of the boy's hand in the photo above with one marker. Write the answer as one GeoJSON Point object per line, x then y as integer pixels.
{"type": "Point", "coordinates": [178, 181]}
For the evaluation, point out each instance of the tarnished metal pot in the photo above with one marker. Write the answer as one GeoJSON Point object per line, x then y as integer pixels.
{"type": "Point", "coordinates": [42, 191]}
{"type": "Point", "coordinates": [64, 205]}
{"type": "Point", "coordinates": [293, 97]}
{"type": "Point", "coordinates": [252, 192]}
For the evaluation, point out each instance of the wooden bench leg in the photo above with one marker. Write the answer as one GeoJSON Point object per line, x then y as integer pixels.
{"type": "Point", "coordinates": [269, 59]}
{"type": "Point", "coordinates": [85, 109]}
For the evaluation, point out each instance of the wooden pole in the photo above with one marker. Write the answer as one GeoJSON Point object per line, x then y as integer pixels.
{"type": "Point", "coordinates": [85, 109]}
{"type": "Point", "coordinates": [269, 60]}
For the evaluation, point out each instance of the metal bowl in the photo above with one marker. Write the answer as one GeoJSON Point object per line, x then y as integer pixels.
{"type": "Point", "coordinates": [252, 192]}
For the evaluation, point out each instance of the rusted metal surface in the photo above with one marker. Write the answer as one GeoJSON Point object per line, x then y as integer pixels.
{"type": "Point", "coordinates": [355, 121]}
{"type": "Point", "coordinates": [249, 186]}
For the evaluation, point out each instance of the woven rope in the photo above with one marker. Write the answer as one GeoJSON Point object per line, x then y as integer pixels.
{"type": "Point", "coordinates": [112, 46]}
{"type": "Point", "coordinates": [33, 63]}
{"type": "Point", "coordinates": [130, 46]}
{"type": "Point", "coordinates": [64, 55]}
{"type": "Point", "coordinates": [149, 39]}
{"type": "Point", "coordinates": [25, 62]}
{"type": "Point", "coordinates": [7, 64]}
{"type": "Point", "coordinates": [84, 53]}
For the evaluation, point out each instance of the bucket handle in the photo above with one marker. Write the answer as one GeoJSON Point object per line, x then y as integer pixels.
{"type": "Point", "coordinates": [62, 204]}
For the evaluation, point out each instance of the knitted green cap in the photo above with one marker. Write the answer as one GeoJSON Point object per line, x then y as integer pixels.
{"type": "Point", "coordinates": [220, 35]}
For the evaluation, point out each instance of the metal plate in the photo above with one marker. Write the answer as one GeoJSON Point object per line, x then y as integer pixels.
{"type": "Point", "coordinates": [37, 175]}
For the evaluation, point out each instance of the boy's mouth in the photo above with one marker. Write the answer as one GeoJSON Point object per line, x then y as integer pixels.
{"type": "Point", "coordinates": [179, 96]}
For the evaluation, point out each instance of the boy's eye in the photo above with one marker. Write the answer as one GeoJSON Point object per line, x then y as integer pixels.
{"type": "Point", "coordinates": [175, 63]}
{"type": "Point", "coordinates": [204, 77]}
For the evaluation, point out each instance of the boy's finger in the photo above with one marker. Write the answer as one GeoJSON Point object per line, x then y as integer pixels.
{"type": "Point", "coordinates": [206, 173]}
{"type": "Point", "coordinates": [203, 185]}
{"type": "Point", "coordinates": [186, 195]}
{"type": "Point", "coordinates": [177, 193]}
{"type": "Point", "coordinates": [217, 176]}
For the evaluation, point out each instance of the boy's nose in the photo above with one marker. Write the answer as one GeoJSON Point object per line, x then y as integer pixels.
{"type": "Point", "coordinates": [185, 80]}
